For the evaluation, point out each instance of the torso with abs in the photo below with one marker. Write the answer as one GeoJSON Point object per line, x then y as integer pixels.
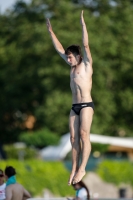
{"type": "Point", "coordinates": [81, 83]}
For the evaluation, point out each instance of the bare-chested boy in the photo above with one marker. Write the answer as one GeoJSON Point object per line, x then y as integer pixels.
{"type": "Point", "coordinates": [82, 110]}
{"type": "Point", "coordinates": [14, 191]}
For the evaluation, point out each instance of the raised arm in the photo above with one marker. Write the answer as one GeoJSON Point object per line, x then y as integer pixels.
{"type": "Point", "coordinates": [87, 53]}
{"type": "Point", "coordinates": [58, 46]}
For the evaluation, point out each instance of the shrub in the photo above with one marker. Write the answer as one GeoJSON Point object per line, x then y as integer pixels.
{"type": "Point", "coordinates": [40, 138]}
{"type": "Point", "coordinates": [19, 153]}
{"type": "Point", "coordinates": [102, 148]}
{"type": "Point", "coordinates": [116, 172]}
{"type": "Point", "coordinates": [37, 175]}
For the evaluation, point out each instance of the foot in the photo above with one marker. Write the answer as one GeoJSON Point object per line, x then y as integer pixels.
{"type": "Point", "coordinates": [71, 178]}
{"type": "Point", "coordinates": [78, 177]}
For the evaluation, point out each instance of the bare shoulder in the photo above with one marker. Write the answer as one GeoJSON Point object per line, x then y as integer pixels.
{"type": "Point", "coordinates": [16, 186]}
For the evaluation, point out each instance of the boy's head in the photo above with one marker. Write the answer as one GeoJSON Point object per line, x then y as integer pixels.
{"type": "Point", "coordinates": [73, 54]}
{"type": "Point", "coordinates": [74, 49]}
{"type": "Point", "coordinates": [10, 171]}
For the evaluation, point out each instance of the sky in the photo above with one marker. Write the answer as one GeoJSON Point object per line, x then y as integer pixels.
{"type": "Point", "coordinates": [5, 4]}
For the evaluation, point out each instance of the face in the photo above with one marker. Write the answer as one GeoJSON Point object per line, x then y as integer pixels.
{"type": "Point", "coordinates": [76, 186]}
{"type": "Point", "coordinates": [2, 178]}
{"type": "Point", "coordinates": [72, 60]}
{"type": "Point", "coordinates": [6, 177]}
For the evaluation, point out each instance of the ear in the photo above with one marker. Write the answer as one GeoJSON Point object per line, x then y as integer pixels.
{"type": "Point", "coordinates": [79, 58]}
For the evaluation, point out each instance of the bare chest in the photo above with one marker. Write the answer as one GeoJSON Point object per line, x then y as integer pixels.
{"type": "Point", "coordinates": [78, 72]}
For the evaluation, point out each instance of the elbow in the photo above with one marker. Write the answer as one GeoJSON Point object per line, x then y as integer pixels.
{"type": "Point", "coordinates": [29, 195]}
{"type": "Point", "coordinates": [85, 45]}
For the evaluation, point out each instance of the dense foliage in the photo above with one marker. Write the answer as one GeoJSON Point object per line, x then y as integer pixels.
{"type": "Point", "coordinates": [21, 153]}
{"type": "Point", "coordinates": [37, 175]}
{"type": "Point", "coordinates": [34, 80]}
{"type": "Point", "coordinates": [102, 148]}
{"type": "Point", "coordinates": [40, 138]}
{"type": "Point", "coordinates": [116, 172]}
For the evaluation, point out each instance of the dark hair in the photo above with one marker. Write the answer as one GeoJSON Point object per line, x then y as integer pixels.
{"type": "Point", "coordinates": [74, 49]}
{"type": "Point", "coordinates": [82, 184]}
{"type": "Point", "coordinates": [10, 171]}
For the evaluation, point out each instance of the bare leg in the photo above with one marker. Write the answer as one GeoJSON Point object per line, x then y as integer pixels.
{"type": "Point", "coordinates": [75, 142]}
{"type": "Point", "coordinates": [86, 116]}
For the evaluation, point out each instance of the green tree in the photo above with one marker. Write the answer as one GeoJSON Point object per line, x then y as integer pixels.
{"type": "Point", "coordinates": [39, 139]}
{"type": "Point", "coordinates": [34, 80]}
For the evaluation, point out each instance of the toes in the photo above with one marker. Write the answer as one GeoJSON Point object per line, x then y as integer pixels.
{"type": "Point", "coordinates": [78, 177]}
{"type": "Point", "coordinates": [75, 181]}
{"type": "Point", "coordinates": [69, 182]}
{"type": "Point", "coordinates": [71, 178]}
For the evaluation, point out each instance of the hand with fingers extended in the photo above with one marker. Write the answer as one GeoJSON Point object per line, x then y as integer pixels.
{"type": "Point", "coordinates": [49, 27]}
{"type": "Point", "coordinates": [82, 18]}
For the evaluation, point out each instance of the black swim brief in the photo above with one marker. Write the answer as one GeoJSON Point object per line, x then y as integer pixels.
{"type": "Point", "coordinates": [78, 106]}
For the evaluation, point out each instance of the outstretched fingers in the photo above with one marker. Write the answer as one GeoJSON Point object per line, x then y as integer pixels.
{"type": "Point", "coordinates": [49, 27]}
{"type": "Point", "coordinates": [82, 18]}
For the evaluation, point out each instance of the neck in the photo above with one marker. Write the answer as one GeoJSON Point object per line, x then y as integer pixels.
{"type": "Point", "coordinates": [11, 180]}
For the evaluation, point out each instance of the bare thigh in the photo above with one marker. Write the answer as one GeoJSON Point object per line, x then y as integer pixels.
{"type": "Point", "coordinates": [86, 116]}
{"type": "Point", "coordinates": [74, 125]}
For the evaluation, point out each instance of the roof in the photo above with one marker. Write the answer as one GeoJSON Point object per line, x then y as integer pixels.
{"type": "Point", "coordinates": [116, 141]}
{"type": "Point", "coordinates": [59, 152]}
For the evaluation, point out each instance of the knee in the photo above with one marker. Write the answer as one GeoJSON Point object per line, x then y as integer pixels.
{"type": "Point", "coordinates": [84, 135]}
{"type": "Point", "coordinates": [73, 140]}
